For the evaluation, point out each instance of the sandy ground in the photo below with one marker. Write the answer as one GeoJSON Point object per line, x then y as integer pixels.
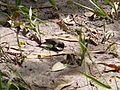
{"type": "Point", "coordinates": [37, 72]}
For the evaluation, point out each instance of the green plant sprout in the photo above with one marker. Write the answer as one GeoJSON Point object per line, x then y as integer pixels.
{"type": "Point", "coordinates": [52, 2]}
{"type": "Point", "coordinates": [100, 11]}
{"type": "Point", "coordinates": [95, 80]}
{"type": "Point", "coordinates": [83, 46]}
{"type": "Point", "coordinates": [11, 80]}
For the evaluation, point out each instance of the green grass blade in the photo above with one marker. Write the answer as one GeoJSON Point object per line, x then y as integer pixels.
{"type": "Point", "coordinates": [9, 83]}
{"type": "Point", "coordinates": [97, 6]}
{"type": "Point", "coordinates": [18, 2]}
{"type": "Point", "coordinates": [96, 81]}
{"type": "Point", "coordinates": [0, 80]}
{"type": "Point", "coordinates": [85, 7]}
{"type": "Point", "coordinates": [83, 46]}
{"type": "Point", "coordinates": [21, 79]}
{"type": "Point", "coordinates": [52, 2]}
{"type": "Point", "coordinates": [19, 75]}
{"type": "Point", "coordinates": [24, 9]}
{"type": "Point", "coordinates": [3, 74]}
{"type": "Point", "coordinates": [102, 14]}
{"type": "Point", "coordinates": [110, 3]}
{"type": "Point", "coordinates": [28, 13]}
{"type": "Point", "coordinates": [118, 77]}
{"type": "Point", "coordinates": [15, 85]}
{"type": "Point", "coordinates": [97, 12]}
{"type": "Point", "coordinates": [100, 11]}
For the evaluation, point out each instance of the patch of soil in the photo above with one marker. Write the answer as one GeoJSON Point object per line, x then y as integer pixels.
{"type": "Point", "coordinates": [37, 71]}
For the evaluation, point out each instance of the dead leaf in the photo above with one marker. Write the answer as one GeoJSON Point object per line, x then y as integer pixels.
{"type": "Point", "coordinates": [32, 56]}
{"type": "Point", "coordinates": [98, 52]}
{"type": "Point", "coordinates": [50, 54]}
{"type": "Point", "coordinates": [88, 14]}
{"type": "Point", "coordinates": [76, 39]}
{"type": "Point", "coordinates": [116, 4]}
{"type": "Point", "coordinates": [58, 66]}
{"type": "Point", "coordinates": [56, 20]}
{"type": "Point", "coordinates": [117, 68]}
{"type": "Point", "coordinates": [104, 52]}
{"type": "Point", "coordinates": [92, 30]}
{"type": "Point", "coordinates": [69, 20]}
{"type": "Point", "coordinates": [68, 38]}
{"type": "Point", "coordinates": [60, 87]}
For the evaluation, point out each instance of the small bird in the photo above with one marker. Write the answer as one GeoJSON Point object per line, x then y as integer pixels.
{"type": "Point", "coordinates": [54, 44]}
